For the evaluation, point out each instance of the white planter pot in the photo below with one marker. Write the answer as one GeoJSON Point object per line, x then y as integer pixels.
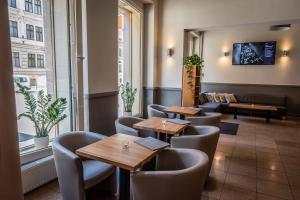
{"type": "Point", "coordinates": [127, 114]}
{"type": "Point", "coordinates": [41, 142]}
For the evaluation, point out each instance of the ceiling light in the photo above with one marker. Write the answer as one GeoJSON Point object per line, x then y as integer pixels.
{"type": "Point", "coordinates": [281, 27]}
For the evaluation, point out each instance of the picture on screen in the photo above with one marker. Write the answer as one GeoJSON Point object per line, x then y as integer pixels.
{"type": "Point", "coordinates": [254, 53]}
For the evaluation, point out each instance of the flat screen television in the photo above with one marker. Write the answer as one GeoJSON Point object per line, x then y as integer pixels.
{"type": "Point", "coordinates": [254, 53]}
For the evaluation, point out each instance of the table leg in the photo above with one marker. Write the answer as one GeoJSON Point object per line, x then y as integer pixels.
{"type": "Point", "coordinates": [158, 135]}
{"type": "Point", "coordinates": [124, 185]}
{"type": "Point", "coordinates": [268, 117]}
{"type": "Point", "coordinates": [181, 117]}
{"type": "Point", "coordinates": [235, 113]}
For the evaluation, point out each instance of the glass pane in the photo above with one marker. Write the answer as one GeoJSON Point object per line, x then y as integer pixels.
{"type": "Point", "coordinates": [36, 70]}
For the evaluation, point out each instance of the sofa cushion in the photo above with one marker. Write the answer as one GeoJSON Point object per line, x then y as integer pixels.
{"type": "Point", "coordinates": [230, 98]}
{"type": "Point", "coordinates": [261, 99]}
{"type": "Point", "coordinates": [202, 98]}
{"type": "Point", "coordinates": [210, 106]}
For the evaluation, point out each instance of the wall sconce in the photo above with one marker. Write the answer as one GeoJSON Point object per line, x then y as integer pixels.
{"type": "Point", "coordinates": [285, 53]}
{"type": "Point", "coordinates": [226, 53]}
{"type": "Point", "coordinates": [170, 52]}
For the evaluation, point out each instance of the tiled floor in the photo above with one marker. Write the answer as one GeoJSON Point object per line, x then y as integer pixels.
{"type": "Point", "coordinates": [261, 162]}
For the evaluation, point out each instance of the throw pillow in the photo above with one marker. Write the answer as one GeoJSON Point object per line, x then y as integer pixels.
{"type": "Point", "coordinates": [222, 98]}
{"type": "Point", "coordinates": [217, 98]}
{"type": "Point", "coordinates": [202, 98]}
{"type": "Point", "coordinates": [211, 97]}
{"type": "Point", "coordinates": [231, 98]}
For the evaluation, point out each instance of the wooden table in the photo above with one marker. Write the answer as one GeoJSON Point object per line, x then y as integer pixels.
{"type": "Point", "coordinates": [183, 111]}
{"type": "Point", "coordinates": [245, 106]}
{"type": "Point", "coordinates": [155, 124]}
{"type": "Point", "coordinates": [110, 150]}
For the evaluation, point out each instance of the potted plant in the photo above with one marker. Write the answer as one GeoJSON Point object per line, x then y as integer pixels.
{"type": "Point", "coordinates": [128, 96]}
{"type": "Point", "coordinates": [43, 112]}
{"type": "Point", "coordinates": [189, 63]}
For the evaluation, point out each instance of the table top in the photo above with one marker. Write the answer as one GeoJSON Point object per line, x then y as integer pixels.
{"type": "Point", "coordinates": [183, 110]}
{"type": "Point", "coordinates": [252, 106]}
{"type": "Point", "coordinates": [155, 124]}
{"type": "Point", "coordinates": [110, 150]}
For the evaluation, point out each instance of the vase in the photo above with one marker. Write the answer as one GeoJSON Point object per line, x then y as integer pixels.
{"type": "Point", "coordinates": [41, 142]}
{"type": "Point", "coordinates": [127, 114]}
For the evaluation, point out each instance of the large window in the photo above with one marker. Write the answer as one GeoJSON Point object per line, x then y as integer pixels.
{"type": "Point", "coordinates": [16, 59]}
{"type": "Point", "coordinates": [30, 32]}
{"type": "Point", "coordinates": [12, 3]}
{"type": "Point", "coordinates": [41, 65]}
{"type": "Point", "coordinates": [39, 33]}
{"type": "Point", "coordinates": [28, 6]}
{"type": "Point", "coordinates": [31, 60]}
{"type": "Point", "coordinates": [13, 28]}
{"type": "Point", "coordinates": [38, 7]}
{"type": "Point", "coordinates": [40, 61]}
{"type": "Point", "coordinates": [129, 26]}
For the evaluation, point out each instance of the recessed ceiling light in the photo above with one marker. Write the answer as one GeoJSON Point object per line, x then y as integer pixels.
{"type": "Point", "coordinates": [281, 27]}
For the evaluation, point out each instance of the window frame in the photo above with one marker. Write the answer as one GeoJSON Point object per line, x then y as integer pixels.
{"type": "Point", "coordinates": [38, 7]}
{"type": "Point", "coordinates": [29, 6]}
{"type": "Point", "coordinates": [31, 60]}
{"type": "Point", "coordinates": [13, 26]}
{"type": "Point", "coordinates": [16, 59]}
{"type": "Point", "coordinates": [39, 34]}
{"type": "Point", "coordinates": [12, 3]}
{"type": "Point", "coordinates": [29, 32]}
{"type": "Point", "coordinates": [40, 61]}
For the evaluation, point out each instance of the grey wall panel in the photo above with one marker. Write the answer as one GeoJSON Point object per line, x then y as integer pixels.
{"type": "Point", "coordinates": [103, 111]}
{"type": "Point", "coordinates": [292, 92]}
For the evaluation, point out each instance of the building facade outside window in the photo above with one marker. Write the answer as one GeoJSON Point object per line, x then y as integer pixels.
{"type": "Point", "coordinates": [12, 3]}
{"type": "Point", "coordinates": [30, 32]}
{"type": "Point", "coordinates": [13, 28]}
{"type": "Point", "coordinates": [40, 61]}
{"type": "Point", "coordinates": [16, 59]}
{"type": "Point", "coordinates": [28, 6]}
{"type": "Point", "coordinates": [31, 60]}
{"type": "Point", "coordinates": [39, 33]}
{"type": "Point", "coordinates": [38, 7]}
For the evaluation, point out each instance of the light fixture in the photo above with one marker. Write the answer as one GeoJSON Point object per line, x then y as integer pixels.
{"type": "Point", "coordinates": [226, 53]}
{"type": "Point", "coordinates": [170, 52]}
{"type": "Point", "coordinates": [285, 53]}
{"type": "Point", "coordinates": [280, 27]}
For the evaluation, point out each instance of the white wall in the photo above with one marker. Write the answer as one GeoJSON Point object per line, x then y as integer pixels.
{"type": "Point", "coordinates": [177, 15]}
{"type": "Point", "coordinates": [219, 69]}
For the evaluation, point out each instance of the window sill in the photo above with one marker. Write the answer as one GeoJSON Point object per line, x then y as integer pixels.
{"type": "Point", "coordinates": [31, 153]}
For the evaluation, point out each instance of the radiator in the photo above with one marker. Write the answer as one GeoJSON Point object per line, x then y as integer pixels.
{"type": "Point", "coordinates": [37, 173]}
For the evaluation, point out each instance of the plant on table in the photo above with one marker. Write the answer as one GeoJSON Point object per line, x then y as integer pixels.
{"type": "Point", "coordinates": [128, 96]}
{"type": "Point", "coordinates": [42, 110]}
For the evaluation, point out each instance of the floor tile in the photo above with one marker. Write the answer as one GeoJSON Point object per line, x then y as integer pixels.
{"type": "Point", "coordinates": [240, 181]}
{"type": "Point", "coordinates": [271, 165]}
{"type": "Point", "coordinates": [239, 166]}
{"type": "Point", "coordinates": [274, 189]}
{"type": "Point", "coordinates": [271, 175]}
{"type": "Point", "coordinates": [266, 197]}
{"type": "Point", "coordinates": [235, 193]}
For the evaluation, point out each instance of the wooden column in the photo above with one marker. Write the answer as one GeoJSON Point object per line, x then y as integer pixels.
{"type": "Point", "coordinates": [10, 171]}
{"type": "Point", "coordinates": [190, 92]}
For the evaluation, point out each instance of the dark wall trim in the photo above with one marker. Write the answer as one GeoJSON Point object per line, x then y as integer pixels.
{"type": "Point", "coordinates": [103, 94]}
{"type": "Point", "coordinates": [250, 84]}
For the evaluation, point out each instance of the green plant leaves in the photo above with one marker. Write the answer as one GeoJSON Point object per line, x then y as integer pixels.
{"type": "Point", "coordinates": [44, 113]}
{"type": "Point", "coordinates": [128, 96]}
{"type": "Point", "coordinates": [189, 62]}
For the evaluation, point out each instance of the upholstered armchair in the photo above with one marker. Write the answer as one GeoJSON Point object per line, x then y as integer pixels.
{"type": "Point", "coordinates": [75, 175]}
{"type": "Point", "coordinates": [203, 138]}
{"type": "Point", "coordinates": [155, 110]}
{"type": "Point", "coordinates": [180, 174]}
{"type": "Point", "coordinates": [125, 125]}
{"type": "Point", "coordinates": [207, 118]}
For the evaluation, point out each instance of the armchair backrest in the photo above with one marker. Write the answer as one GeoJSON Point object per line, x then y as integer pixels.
{"type": "Point", "coordinates": [125, 125]}
{"type": "Point", "coordinates": [155, 110]}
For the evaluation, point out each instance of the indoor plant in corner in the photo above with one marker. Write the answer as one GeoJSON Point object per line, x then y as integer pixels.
{"type": "Point", "coordinates": [43, 112]}
{"type": "Point", "coordinates": [128, 96]}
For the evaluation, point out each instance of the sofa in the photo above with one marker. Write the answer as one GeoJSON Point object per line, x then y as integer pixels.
{"type": "Point", "coordinates": [280, 102]}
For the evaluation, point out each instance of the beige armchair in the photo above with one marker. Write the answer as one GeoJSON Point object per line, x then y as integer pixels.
{"type": "Point", "coordinates": [203, 138]}
{"type": "Point", "coordinates": [180, 174]}
{"type": "Point", "coordinates": [207, 118]}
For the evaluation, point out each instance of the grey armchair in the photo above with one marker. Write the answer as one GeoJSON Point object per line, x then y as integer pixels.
{"type": "Point", "coordinates": [203, 138]}
{"type": "Point", "coordinates": [75, 176]}
{"type": "Point", "coordinates": [180, 174]}
{"type": "Point", "coordinates": [207, 118]}
{"type": "Point", "coordinates": [155, 110]}
{"type": "Point", "coordinates": [125, 125]}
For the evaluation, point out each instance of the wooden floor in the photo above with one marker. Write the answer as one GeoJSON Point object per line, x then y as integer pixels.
{"type": "Point", "coordinates": [261, 162]}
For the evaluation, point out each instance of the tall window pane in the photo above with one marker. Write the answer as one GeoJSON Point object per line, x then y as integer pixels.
{"type": "Point", "coordinates": [38, 7]}
{"type": "Point", "coordinates": [28, 6]}
{"type": "Point", "coordinates": [16, 59]}
{"type": "Point", "coordinates": [30, 32]}
{"type": "Point", "coordinates": [40, 61]}
{"type": "Point", "coordinates": [13, 28]}
{"type": "Point", "coordinates": [39, 33]}
{"type": "Point", "coordinates": [31, 60]}
{"type": "Point", "coordinates": [12, 3]}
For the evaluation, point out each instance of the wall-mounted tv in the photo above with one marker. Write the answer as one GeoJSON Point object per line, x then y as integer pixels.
{"type": "Point", "coordinates": [254, 53]}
